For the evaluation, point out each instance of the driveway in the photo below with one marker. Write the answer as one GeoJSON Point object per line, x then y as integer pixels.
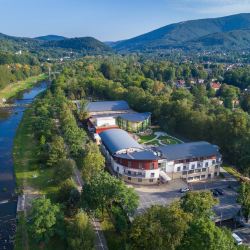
{"type": "Point", "coordinates": [167, 193]}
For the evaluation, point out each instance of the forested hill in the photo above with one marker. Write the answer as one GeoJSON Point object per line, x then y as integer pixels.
{"type": "Point", "coordinates": [85, 45]}
{"type": "Point", "coordinates": [81, 43]}
{"type": "Point", "coordinates": [224, 32]}
{"type": "Point", "coordinates": [50, 38]}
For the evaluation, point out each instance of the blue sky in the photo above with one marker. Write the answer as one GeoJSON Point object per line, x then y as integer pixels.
{"type": "Point", "coordinates": [107, 20]}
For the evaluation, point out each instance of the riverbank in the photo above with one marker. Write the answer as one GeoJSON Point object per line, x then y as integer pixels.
{"type": "Point", "coordinates": [13, 89]}
{"type": "Point", "coordinates": [32, 180]}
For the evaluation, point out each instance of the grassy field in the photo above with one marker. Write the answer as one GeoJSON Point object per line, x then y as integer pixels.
{"type": "Point", "coordinates": [31, 177]}
{"type": "Point", "coordinates": [232, 171]}
{"type": "Point", "coordinates": [12, 89]}
{"type": "Point", "coordinates": [146, 138]}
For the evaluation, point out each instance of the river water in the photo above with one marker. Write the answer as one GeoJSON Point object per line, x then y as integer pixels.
{"type": "Point", "coordinates": [9, 121]}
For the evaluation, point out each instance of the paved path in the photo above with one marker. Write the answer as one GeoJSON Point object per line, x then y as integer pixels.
{"type": "Point", "coordinates": [101, 243]}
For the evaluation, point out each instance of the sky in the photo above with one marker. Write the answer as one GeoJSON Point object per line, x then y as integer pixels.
{"type": "Point", "coordinates": [106, 20]}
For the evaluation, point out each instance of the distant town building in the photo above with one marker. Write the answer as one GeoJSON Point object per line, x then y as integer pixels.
{"type": "Point", "coordinates": [215, 85]}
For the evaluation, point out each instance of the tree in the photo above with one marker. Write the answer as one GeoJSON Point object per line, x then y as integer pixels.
{"type": "Point", "coordinates": [103, 191]}
{"type": "Point", "coordinates": [57, 151]}
{"type": "Point", "coordinates": [81, 235]}
{"type": "Point", "coordinates": [63, 170]}
{"type": "Point", "coordinates": [199, 203]}
{"type": "Point", "coordinates": [69, 195]}
{"type": "Point", "coordinates": [93, 162]}
{"type": "Point", "coordinates": [204, 234]}
{"type": "Point", "coordinates": [244, 199]}
{"type": "Point", "coordinates": [159, 228]}
{"type": "Point", "coordinates": [44, 217]}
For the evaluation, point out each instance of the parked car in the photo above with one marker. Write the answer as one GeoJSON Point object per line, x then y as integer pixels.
{"type": "Point", "coordinates": [219, 191]}
{"type": "Point", "coordinates": [214, 192]}
{"type": "Point", "coordinates": [237, 239]}
{"type": "Point", "coordinates": [184, 190]}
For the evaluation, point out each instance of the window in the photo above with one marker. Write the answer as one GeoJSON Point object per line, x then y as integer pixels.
{"type": "Point", "coordinates": [190, 178]}
{"type": "Point", "coordinates": [139, 173]}
{"type": "Point", "coordinates": [206, 164]}
{"type": "Point", "coordinates": [178, 169]}
{"type": "Point", "coordinates": [129, 164]}
{"type": "Point", "coordinates": [193, 166]}
{"type": "Point", "coordinates": [139, 180]}
{"type": "Point", "coordinates": [197, 177]}
{"type": "Point", "coordinates": [151, 165]}
{"type": "Point", "coordinates": [204, 170]}
{"type": "Point", "coordinates": [191, 171]}
{"type": "Point", "coordinates": [213, 161]}
{"type": "Point", "coordinates": [216, 166]}
{"type": "Point", "coordinates": [184, 172]}
{"type": "Point", "coordinates": [184, 167]}
{"type": "Point", "coordinates": [140, 165]}
{"type": "Point", "coordinates": [152, 175]}
{"type": "Point", "coordinates": [129, 178]}
{"type": "Point", "coordinates": [151, 180]}
{"type": "Point", "coordinates": [117, 169]}
{"type": "Point", "coordinates": [215, 174]}
{"type": "Point", "coordinates": [203, 176]}
{"type": "Point", "coordinates": [129, 172]}
{"type": "Point", "coordinates": [197, 170]}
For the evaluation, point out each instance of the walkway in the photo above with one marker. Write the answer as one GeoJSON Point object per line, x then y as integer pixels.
{"type": "Point", "coordinates": [101, 243]}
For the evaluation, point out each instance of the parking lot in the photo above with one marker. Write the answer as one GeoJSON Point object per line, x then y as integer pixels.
{"type": "Point", "coordinates": [167, 193]}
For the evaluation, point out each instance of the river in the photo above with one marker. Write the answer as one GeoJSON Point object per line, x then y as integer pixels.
{"type": "Point", "coordinates": [9, 121]}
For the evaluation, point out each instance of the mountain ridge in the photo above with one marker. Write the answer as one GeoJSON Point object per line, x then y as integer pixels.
{"type": "Point", "coordinates": [179, 34]}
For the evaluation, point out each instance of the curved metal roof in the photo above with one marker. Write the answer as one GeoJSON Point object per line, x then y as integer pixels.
{"type": "Point", "coordinates": [118, 139]}
{"type": "Point", "coordinates": [107, 106]}
{"type": "Point", "coordinates": [139, 155]}
{"type": "Point", "coordinates": [135, 117]}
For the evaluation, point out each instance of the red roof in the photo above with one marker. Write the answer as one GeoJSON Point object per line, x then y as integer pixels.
{"type": "Point", "coordinates": [215, 85]}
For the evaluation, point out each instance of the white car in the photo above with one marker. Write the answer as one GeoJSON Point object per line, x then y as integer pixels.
{"type": "Point", "coordinates": [184, 190]}
{"type": "Point", "coordinates": [237, 239]}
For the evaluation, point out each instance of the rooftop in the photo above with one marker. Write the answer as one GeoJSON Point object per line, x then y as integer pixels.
{"type": "Point", "coordinates": [107, 106]}
{"type": "Point", "coordinates": [188, 150]}
{"type": "Point", "coordinates": [118, 139]}
{"type": "Point", "coordinates": [135, 117]}
{"type": "Point", "coordinates": [139, 155]}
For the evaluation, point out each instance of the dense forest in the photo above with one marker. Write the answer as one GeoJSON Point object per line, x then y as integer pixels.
{"type": "Point", "coordinates": [195, 112]}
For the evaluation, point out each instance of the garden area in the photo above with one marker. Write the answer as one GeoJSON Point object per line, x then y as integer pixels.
{"type": "Point", "coordinates": [158, 138]}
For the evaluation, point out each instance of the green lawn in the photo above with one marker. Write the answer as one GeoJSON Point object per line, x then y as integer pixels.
{"type": "Point", "coordinates": [168, 140]}
{"type": "Point", "coordinates": [232, 171]}
{"type": "Point", "coordinates": [146, 138]}
{"type": "Point", "coordinates": [12, 89]}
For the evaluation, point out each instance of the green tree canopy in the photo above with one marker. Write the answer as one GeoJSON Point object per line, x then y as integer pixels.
{"type": "Point", "coordinates": [44, 216]}
{"type": "Point", "coordinates": [80, 234]}
{"type": "Point", "coordinates": [199, 203]}
{"type": "Point", "coordinates": [159, 228]}
{"type": "Point", "coordinates": [93, 161]}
